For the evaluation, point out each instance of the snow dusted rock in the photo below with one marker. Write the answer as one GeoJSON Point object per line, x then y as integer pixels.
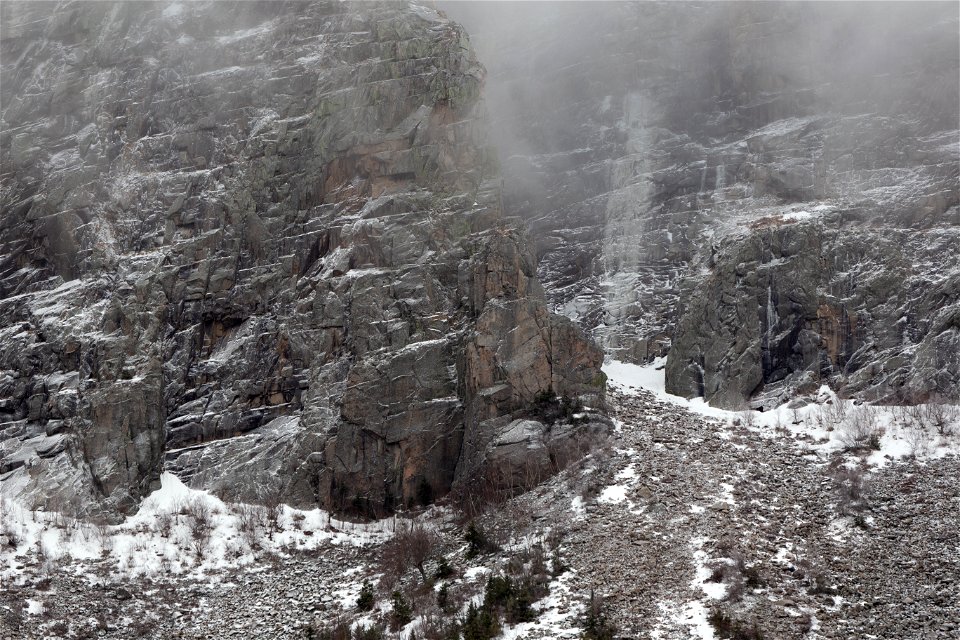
{"type": "Point", "coordinates": [519, 446]}
{"type": "Point", "coordinates": [766, 192]}
{"type": "Point", "coordinates": [793, 304]}
{"type": "Point", "coordinates": [255, 242]}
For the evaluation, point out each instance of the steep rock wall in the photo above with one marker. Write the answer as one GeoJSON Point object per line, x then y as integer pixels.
{"type": "Point", "coordinates": [253, 243]}
{"type": "Point", "coordinates": [646, 143]}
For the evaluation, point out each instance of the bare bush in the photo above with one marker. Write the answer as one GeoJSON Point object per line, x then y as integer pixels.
{"type": "Point", "coordinates": [199, 511]}
{"type": "Point", "coordinates": [859, 429]}
{"type": "Point", "coordinates": [102, 536]}
{"type": "Point", "coordinates": [734, 571]}
{"type": "Point", "coordinates": [901, 417]}
{"type": "Point", "coordinates": [200, 546]}
{"type": "Point", "coordinates": [250, 518]}
{"type": "Point", "coordinates": [919, 440]}
{"type": "Point", "coordinates": [837, 410]}
{"type": "Point", "coordinates": [410, 547]}
{"type": "Point", "coordinates": [822, 418]}
{"type": "Point", "coordinates": [435, 627]}
{"type": "Point", "coordinates": [48, 558]}
{"type": "Point", "coordinates": [565, 451]}
{"type": "Point", "coordinates": [810, 568]}
{"type": "Point", "coordinates": [473, 497]}
{"type": "Point", "coordinates": [7, 528]}
{"type": "Point", "coordinates": [273, 505]}
{"type": "Point", "coordinates": [200, 523]}
{"type": "Point", "coordinates": [795, 415]}
{"type": "Point", "coordinates": [942, 416]}
{"type": "Point", "coordinates": [778, 426]}
{"type": "Point", "coordinates": [851, 488]}
{"type": "Point", "coordinates": [164, 523]}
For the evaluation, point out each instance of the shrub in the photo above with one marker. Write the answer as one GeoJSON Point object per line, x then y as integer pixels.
{"type": "Point", "coordinates": [411, 546]}
{"type": "Point", "coordinates": [596, 626]}
{"type": "Point", "coordinates": [479, 624]}
{"type": "Point", "coordinates": [477, 541]}
{"type": "Point", "coordinates": [402, 613]}
{"type": "Point", "coordinates": [366, 599]}
{"type": "Point", "coordinates": [728, 627]}
{"type": "Point", "coordinates": [443, 570]}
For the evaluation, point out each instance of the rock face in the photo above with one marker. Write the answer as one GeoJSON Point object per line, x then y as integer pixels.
{"type": "Point", "coordinates": [794, 304]}
{"type": "Point", "coordinates": [261, 244]}
{"type": "Point", "coordinates": [766, 193]}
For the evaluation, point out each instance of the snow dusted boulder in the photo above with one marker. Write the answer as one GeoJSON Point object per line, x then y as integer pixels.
{"type": "Point", "coordinates": [518, 450]}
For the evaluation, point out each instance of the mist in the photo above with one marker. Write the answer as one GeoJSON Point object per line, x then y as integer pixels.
{"type": "Point", "coordinates": [626, 129]}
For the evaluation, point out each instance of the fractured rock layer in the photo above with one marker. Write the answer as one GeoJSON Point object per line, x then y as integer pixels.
{"type": "Point", "coordinates": [262, 244]}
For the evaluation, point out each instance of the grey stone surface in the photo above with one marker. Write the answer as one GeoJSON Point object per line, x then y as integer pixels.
{"type": "Point", "coordinates": [254, 242]}
{"type": "Point", "coordinates": [647, 144]}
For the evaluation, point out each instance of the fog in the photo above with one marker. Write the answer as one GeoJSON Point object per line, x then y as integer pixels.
{"type": "Point", "coordinates": [556, 58]}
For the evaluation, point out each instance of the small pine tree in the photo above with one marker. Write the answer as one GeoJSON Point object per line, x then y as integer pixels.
{"type": "Point", "coordinates": [443, 597]}
{"type": "Point", "coordinates": [519, 606]}
{"type": "Point", "coordinates": [366, 600]}
{"type": "Point", "coordinates": [596, 626]}
{"type": "Point", "coordinates": [498, 593]}
{"type": "Point", "coordinates": [402, 613]}
{"type": "Point", "coordinates": [479, 624]}
{"type": "Point", "coordinates": [443, 569]}
{"type": "Point", "coordinates": [476, 539]}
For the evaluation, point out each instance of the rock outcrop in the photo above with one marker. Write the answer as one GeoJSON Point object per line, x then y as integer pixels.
{"type": "Point", "coordinates": [795, 304]}
{"type": "Point", "coordinates": [261, 244]}
{"type": "Point", "coordinates": [649, 145]}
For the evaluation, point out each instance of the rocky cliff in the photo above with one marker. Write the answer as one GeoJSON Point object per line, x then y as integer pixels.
{"type": "Point", "coordinates": [262, 244]}
{"type": "Point", "coordinates": [765, 192]}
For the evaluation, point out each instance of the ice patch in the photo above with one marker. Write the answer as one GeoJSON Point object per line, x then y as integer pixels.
{"type": "Point", "coordinates": [578, 506]}
{"type": "Point", "coordinates": [712, 590]}
{"type": "Point", "coordinates": [614, 494]}
{"type": "Point", "coordinates": [35, 607]}
{"type": "Point", "coordinates": [694, 617]}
